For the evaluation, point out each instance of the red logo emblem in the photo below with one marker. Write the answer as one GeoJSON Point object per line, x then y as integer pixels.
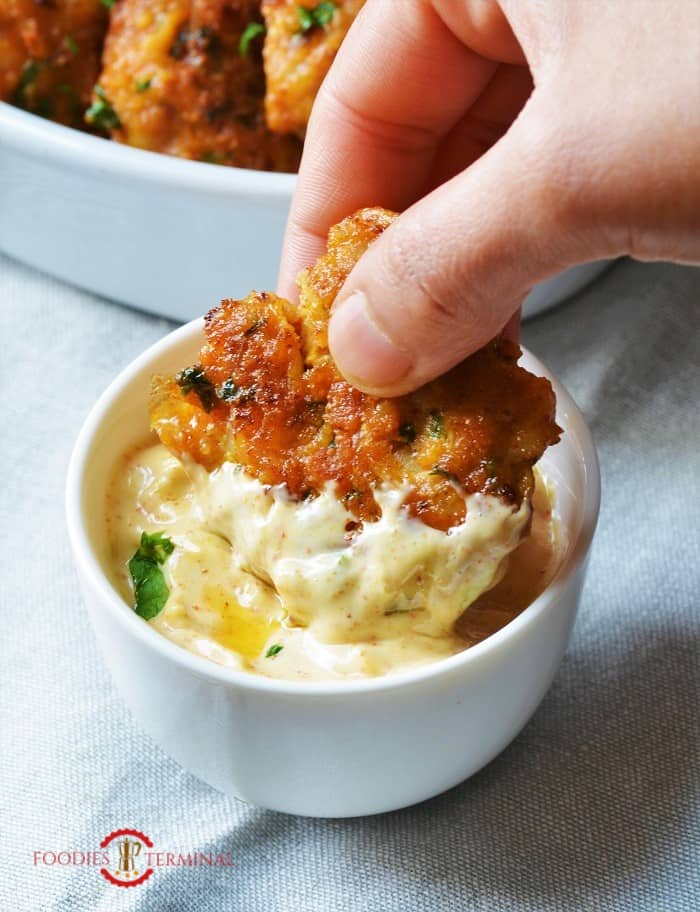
{"type": "Point", "coordinates": [129, 872]}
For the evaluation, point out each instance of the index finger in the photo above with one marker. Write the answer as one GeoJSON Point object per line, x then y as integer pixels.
{"type": "Point", "coordinates": [401, 80]}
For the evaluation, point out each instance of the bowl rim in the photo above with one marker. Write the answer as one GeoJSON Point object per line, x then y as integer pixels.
{"type": "Point", "coordinates": [39, 138]}
{"type": "Point", "coordinates": [89, 567]}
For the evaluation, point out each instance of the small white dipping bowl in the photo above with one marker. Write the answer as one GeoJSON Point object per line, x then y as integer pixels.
{"type": "Point", "coordinates": [337, 748]}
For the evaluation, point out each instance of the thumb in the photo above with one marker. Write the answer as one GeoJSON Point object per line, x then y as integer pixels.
{"type": "Point", "coordinates": [451, 271]}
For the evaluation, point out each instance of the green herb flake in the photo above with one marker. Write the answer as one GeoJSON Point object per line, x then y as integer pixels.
{"type": "Point", "coordinates": [72, 44]}
{"type": "Point", "coordinates": [194, 380]}
{"type": "Point", "coordinates": [318, 16]}
{"type": "Point", "coordinates": [407, 433]}
{"type": "Point", "coordinates": [156, 547]}
{"type": "Point", "coordinates": [108, 4]}
{"type": "Point", "coordinates": [101, 113]}
{"type": "Point", "coordinates": [443, 473]}
{"type": "Point", "coordinates": [212, 158]}
{"type": "Point", "coordinates": [29, 74]}
{"type": "Point", "coordinates": [250, 33]}
{"type": "Point", "coordinates": [230, 391]}
{"type": "Point", "coordinates": [306, 20]}
{"type": "Point", "coordinates": [143, 85]}
{"type": "Point", "coordinates": [254, 327]}
{"type": "Point", "coordinates": [150, 589]}
{"type": "Point", "coordinates": [274, 650]}
{"type": "Point", "coordinates": [27, 78]}
{"type": "Point", "coordinates": [436, 427]}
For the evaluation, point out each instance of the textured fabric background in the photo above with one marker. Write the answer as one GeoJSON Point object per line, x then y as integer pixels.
{"type": "Point", "coordinates": [594, 807]}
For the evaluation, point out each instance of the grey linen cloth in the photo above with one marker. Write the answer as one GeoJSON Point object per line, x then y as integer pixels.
{"type": "Point", "coordinates": [593, 807]}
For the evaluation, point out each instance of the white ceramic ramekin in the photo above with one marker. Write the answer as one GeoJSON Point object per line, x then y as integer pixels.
{"type": "Point", "coordinates": [334, 749]}
{"type": "Point", "coordinates": [170, 236]}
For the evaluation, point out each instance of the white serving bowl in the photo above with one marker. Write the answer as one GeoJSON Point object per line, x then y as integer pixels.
{"type": "Point", "coordinates": [165, 235]}
{"type": "Point", "coordinates": [337, 748]}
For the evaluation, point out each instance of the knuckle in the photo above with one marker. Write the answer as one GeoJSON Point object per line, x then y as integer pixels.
{"type": "Point", "coordinates": [414, 270]}
{"type": "Point", "coordinates": [435, 311]}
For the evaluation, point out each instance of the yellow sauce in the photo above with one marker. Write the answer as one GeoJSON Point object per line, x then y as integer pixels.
{"type": "Point", "coordinates": [253, 569]}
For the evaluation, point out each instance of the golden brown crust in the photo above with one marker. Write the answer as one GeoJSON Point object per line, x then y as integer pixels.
{"type": "Point", "coordinates": [50, 55]}
{"type": "Point", "coordinates": [171, 72]}
{"type": "Point", "coordinates": [175, 76]}
{"type": "Point", "coordinates": [297, 60]}
{"type": "Point", "coordinates": [278, 406]}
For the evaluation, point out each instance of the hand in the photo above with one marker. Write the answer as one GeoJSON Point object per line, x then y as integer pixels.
{"type": "Point", "coordinates": [429, 108]}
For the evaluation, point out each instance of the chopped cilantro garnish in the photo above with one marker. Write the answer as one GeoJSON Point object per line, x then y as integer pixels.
{"type": "Point", "coordinates": [29, 73]}
{"type": "Point", "coordinates": [156, 547]}
{"type": "Point", "coordinates": [108, 4]}
{"type": "Point", "coordinates": [435, 424]}
{"type": "Point", "coordinates": [212, 158]}
{"type": "Point", "coordinates": [150, 588]}
{"type": "Point", "coordinates": [101, 113]}
{"type": "Point", "coordinates": [443, 473]}
{"type": "Point", "coordinates": [250, 33]}
{"type": "Point", "coordinates": [27, 78]}
{"type": "Point", "coordinates": [254, 327]}
{"type": "Point", "coordinates": [318, 16]}
{"type": "Point", "coordinates": [274, 650]}
{"type": "Point", "coordinates": [194, 380]}
{"type": "Point", "coordinates": [230, 391]}
{"type": "Point", "coordinates": [143, 85]}
{"type": "Point", "coordinates": [72, 44]}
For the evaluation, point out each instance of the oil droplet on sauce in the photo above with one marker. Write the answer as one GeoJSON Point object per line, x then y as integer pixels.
{"type": "Point", "coordinates": [238, 628]}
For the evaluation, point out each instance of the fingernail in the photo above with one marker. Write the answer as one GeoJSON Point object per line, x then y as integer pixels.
{"type": "Point", "coordinates": [364, 353]}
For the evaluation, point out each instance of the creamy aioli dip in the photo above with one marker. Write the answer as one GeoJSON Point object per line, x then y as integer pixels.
{"type": "Point", "coordinates": [252, 568]}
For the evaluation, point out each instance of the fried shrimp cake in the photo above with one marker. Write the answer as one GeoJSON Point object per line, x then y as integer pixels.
{"type": "Point", "coordinates": [50, 55]}
{"type": "Point", "coordinates": [179, 80]}
{"type": "Point", "coordinates": [301, 41]}
{"type": "Point", "coordinates": [266, 394]}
